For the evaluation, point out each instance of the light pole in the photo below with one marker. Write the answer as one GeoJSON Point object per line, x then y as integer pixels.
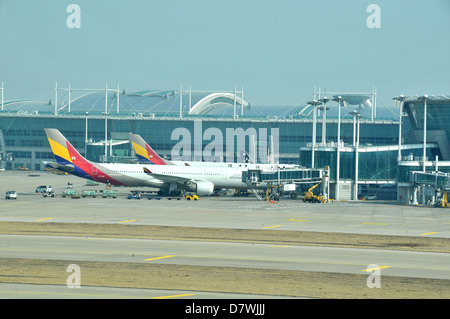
{"type": "Point", "coordinates": [338, 99]}
{"type": "Point", "coordinates": [356, 115]}
{"type": "Point", "coordinates": [400, 99]}
{"type": "Point", "coordinates": [106, 122]}
{"type": "Point", "coordinates": [106, 136]}
{"type": "Point", "coordinates": [3, 95]}
{"type": "Point", "coordinates": [314, 103]}
{"type": "Point", "coordinates": [324, 101]}
{"type": "Point", "coordinates": [86, 137]}
{"type": "Point", "coordinates": [425, 98]}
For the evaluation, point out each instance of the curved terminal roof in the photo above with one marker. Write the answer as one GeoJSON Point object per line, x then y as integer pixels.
{"type": "Point", "coordinates": [214, 100]}
{"type": "Point", "coordinates": [348, 99]}
{"type": "Point", "coordinates": [148, 102]}
{"type": "Point", "coordinates": [193, 103]}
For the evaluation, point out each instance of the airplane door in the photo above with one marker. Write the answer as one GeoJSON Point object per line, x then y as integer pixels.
{"type": "Point", "coordinates": [94, 170]}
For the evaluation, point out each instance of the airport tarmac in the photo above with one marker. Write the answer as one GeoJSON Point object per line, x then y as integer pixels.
{"type": "Point", "coordinates": [237, 234]}
{"type": "Point", "coordinates": [377, 217]}
{"type": "Point", "coordinates": [29, 291]}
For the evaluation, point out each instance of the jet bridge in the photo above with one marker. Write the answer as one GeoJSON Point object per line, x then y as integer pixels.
{"type": "Point", "coordinates": [284, 179]}
{"type": "Point", "coordinates": [429, 188]}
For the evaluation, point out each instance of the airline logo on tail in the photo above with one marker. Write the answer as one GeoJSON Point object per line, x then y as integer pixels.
{"type": "Point", "coordinates": [144, 152]}
{"type": "Point", "coordinates": [147, 171]}
{"type": "Point", "coordinates": [64, 152]}
{"type": "Point", "coordinates": [69, 158]}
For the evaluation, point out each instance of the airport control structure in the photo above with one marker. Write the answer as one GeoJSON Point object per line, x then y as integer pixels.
{"type": "Point", "coordinates": [399, 151]}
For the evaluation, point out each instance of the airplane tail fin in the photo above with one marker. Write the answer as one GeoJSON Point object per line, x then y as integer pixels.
{"type": "Point", "coordinates": [63, 151]}
{"type": "Point", "coordinates": [144, 152]}
{"type": "Point", "coordinates": [68, 159]}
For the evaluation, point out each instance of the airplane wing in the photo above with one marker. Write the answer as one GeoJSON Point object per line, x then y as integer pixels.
{"type": "Point", "coordinates": [201, 187]}
{"type": "Point", "coordinates": [62, 167]}
{"type": "Point", "coordinates": [170, 178]}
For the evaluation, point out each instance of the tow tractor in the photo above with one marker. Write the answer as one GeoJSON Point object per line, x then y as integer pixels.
{"type": "Point", "coordinates": [134, 195]}
{"type": "Point", "coordinates": [48, 193]}
{"type": "Point", "coordinates": [192, 197]}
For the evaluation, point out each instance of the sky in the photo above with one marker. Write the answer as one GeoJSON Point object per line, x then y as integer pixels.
{"type": "Point", "coordinates": [278, 51]}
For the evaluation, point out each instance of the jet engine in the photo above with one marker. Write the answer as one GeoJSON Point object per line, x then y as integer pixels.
{"type": "Point", "coordinates": [202, 188]}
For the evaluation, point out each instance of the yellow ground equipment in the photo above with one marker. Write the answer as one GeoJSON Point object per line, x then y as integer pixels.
{"type": "Point", "coordinates": [444, 202]}
{"type": "Point", "coordinates": [269, 195]}
{"type": "Point", "coordinates": [192, 197]}
{"type": "Point", "coordinates": [310, 197]}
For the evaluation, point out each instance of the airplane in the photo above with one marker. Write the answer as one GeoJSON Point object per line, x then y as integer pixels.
{"type": "Point", "coordinates": [146, 154]}
{"type": "Point", "coordinates": [168, 178]}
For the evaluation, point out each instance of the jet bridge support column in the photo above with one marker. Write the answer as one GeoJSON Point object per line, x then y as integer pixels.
{"type": "Point", "coordinates": [253, 179]}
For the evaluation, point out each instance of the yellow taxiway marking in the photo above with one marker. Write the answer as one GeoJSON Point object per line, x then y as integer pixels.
{"type": "Point", "coordinates": [40, 220]}
{"type": "Point", "coordinates": [174, 296]}
{"type": "Point", "coordinates": [273, 226]}
{"type": "Point", "coordinates": [90, 295]}
{"type": "Point", "coordinates": [426, 234]}
{"type": "Point", "coordinates": [376, 268]}
{"type": "Point", "coordinates": [297, 220]}
{"type": "Point", "coordinates": [280, 246]}
{"type": "Point", "coordinates": [380, 224]}
{"type": "Point", "coordinates": [162, 257]}
{"type": "Point", "coordinates": [128, 221]}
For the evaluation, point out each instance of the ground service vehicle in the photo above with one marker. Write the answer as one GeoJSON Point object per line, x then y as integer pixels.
{"type": "Point", "coordinates": [192, 197]}
{"type": "Point", "coordinates": [91, 193]}
{"type": "Point", "coordinates": [134, 196]}
{"type": "Point", "coordinates": [310, 197]}
{"type": "Point", "coordinates": [43, 188]}
{"type": "Point", "coordinates": [444, 202]}
{"type": "Point", "coordinates": [48, 194]}
{"type": "Point", "coordinates": [69, 192]}
{"type": "Point", "coordinates": [109, 193]}
{"type": "Point", "coordinates": [11, 195]}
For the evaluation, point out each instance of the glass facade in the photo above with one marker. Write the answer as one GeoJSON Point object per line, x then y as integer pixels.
{"type": "Point", "coordinates": [439, 181]}
{"type": "Point", "coordinates": [438, 119]}
{"type": "Point", "coordinates": [23, 136]}
{"type": "Point", "coordinates": [378, 165]}
{"type": "Point", "coordinates": [374, 164]}
{"type": "Point", "coordinates": [404, 171]}
{"type": "Point", "coordinates": [438, 115]}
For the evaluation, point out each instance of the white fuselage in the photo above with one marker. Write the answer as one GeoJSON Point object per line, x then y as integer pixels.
{"type": "Point", "coordinates": [233, 165]}
{"type": "Point", "coordinates": [134, 175]}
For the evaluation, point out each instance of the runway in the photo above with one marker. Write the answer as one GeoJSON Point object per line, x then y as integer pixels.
{"type": "Point", "coordinates": [28, 291]}
{"type": "Point", "coordinates": [220, 254]}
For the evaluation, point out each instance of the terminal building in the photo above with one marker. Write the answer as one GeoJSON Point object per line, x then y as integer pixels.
{"type": "Point", "coordinates": [416, 171]}
{"type": "Point", "coordinates": [365, 149]}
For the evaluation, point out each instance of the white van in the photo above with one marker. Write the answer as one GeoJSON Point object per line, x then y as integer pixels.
{"type": "Point", "coordinates": [43, 189]}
